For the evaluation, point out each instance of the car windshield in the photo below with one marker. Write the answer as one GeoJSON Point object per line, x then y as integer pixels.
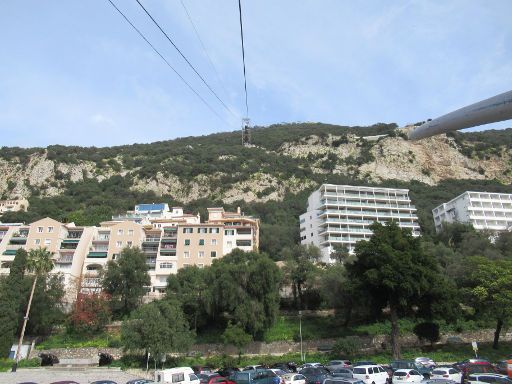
{"type": "Point", "coordinates": [439, 372]}
{"type": "Point", "coordinates": [360, 371]}
{"type": "Point", "coordinates": [400, 373]}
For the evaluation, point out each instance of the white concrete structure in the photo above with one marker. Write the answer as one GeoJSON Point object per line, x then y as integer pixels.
{"type": "Point", "coordinates": [342, 214]}
{"type": "Point", "coordinates": [491, 110]}
{"type": "Point", "coordinates": [483, 210]}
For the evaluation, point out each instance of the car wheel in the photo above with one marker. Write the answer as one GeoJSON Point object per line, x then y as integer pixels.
{"type": "Point", "coordinates": [426, 376]}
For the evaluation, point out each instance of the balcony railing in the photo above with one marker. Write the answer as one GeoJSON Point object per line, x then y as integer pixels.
{"type": "Point", "coordinates": [97, 254]}
{"type": "Point", "coordinates": [151, 240]}
{"type": "Point", "coordinates": [65, 259]}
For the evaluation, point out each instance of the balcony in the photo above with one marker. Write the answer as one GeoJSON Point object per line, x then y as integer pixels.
{"type": "Point", "coordinates": [97, 254]}
{"type": "Point", "coordinates": [151, 240]}
{"type": "Point", "coordinates": [9, 252]}
{"type": "Point", "coordinates": [168, 252]}
{"type": "Point", "coordinates": [67, 259]}
{"type": "Point", "coordinates": [18, 240]}
{"type": "Point", "coordinates": [74, 235]}
{"type": "Point", "coordinates": [101, 238]}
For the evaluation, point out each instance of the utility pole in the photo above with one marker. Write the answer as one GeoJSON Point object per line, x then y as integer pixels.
{"type": "Point", "coordinates": [300, 333]}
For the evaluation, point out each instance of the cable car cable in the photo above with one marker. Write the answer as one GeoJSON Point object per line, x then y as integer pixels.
{"type": "Point", "coordinates": [243, 58]}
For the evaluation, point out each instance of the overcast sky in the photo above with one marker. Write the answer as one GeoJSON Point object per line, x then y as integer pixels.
{"type": "Point", "coordinates": [74, 72]}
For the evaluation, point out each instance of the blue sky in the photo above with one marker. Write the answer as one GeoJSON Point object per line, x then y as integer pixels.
{"type": "Point", "coordinates": [73, 72]}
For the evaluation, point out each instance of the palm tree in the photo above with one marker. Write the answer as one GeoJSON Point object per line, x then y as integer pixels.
{"type": "Point", "coordinates": [39, 262]}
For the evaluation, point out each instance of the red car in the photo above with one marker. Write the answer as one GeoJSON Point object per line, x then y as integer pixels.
{"type": "Point", "coordinates": [471, 367]}
{"type": "Point", "coordinates": [214, 379]}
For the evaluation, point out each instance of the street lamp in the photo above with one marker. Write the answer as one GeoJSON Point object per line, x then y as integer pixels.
{"type": "Point", "coordinates": [300, 333]}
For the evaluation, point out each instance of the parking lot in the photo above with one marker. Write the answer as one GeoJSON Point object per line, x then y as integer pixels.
{"type": "Point", "coordinates": [82, 376]}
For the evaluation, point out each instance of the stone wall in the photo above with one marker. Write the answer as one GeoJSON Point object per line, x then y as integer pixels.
{"type": "Point", "coordinates": [369, 344]}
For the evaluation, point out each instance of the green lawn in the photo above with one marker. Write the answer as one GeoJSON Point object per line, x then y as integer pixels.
{"type": "Point", "coordinates": [6, 364]}
{"type": "Point", "coordinates": [64, 340]}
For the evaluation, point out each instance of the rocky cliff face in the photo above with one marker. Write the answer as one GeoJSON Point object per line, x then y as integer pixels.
{"type": "Point", "coordinates": [373, 159]}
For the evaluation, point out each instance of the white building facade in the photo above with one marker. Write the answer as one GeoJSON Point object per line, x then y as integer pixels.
{"type": "Point", "coordinates": [483, 210]}
{"type": "Point", "coordinates": [342, 214]}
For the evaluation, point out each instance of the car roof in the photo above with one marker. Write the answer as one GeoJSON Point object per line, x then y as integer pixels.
{"type": "Point", "coordinates": [368, 365]}
{"type": "Point", "coordinates": [405, 370]}
{"type": "Point", "coordinates": [353, 380]}
{"type": "Point", "coordinates": [488, 374]}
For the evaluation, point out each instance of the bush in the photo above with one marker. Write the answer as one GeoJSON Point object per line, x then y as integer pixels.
{"type": "Point", "coordinates": [427, 331]}
{"type": "Point", "coordinates": [347, 346]}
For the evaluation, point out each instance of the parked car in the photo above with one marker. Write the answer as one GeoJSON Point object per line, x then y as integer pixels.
{"type": "Point", "coordinates": [502, 367]}
{"type": "Point", "coordinates": [140, 381]}
{"type": "Point", "coordinates": [179, 375]}
{"type": "Point", "coordinates": [227, 371]}
{"type": "Point", "coordinates": [493, 378]}
{"type": "Point", "coordinates": [315, 375]}
{"type": "Point", "coordinates": [438, 381]}
{"type": "Point", "coordinates": [371, 374]}
{"type": "Point", "coordinates": [64, 382]}
{"type": "Point", "coordinates": [204, 378]}
{"type": "Point", "coordinates": [334, 364]}
{"type": "Point", "coordinates": [255, 376]}
{"type": "Point", "coordinates": [253, 367]}
{"type": "Point", "coordinates": [214, 379]}
{"type": "Point", "coordinates": [278, 372]}
{"type": "Point", "coordinates": [310, 365]}
{"type": "Point", "coordinates": [103, 382]}
{"type": "Point", "coordinates": [406, 376]}
{"type": "Point", "coordinates": [447, 373]}
{"type": "Point", "coordinates": [359, 363]}
{"type": "Point", "coordinates": [343, 372]}
{"type": "Point", "coordinates": [410, 364]}
{"type": "Point", "coordinates": [480, 366]}
{"type": "Point", "coordinates": [287, 367]}
{"type": "Point", "coordinates": [294, 378]}
{"type": "Point", "coordinates": [341, 380]}
{"type": "Point", "coordinates": [200, 369]}
{"type": "Point", "coordinates": [425, 361]}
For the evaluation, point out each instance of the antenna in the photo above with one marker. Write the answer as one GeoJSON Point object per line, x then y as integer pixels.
{"type": "Point", "coordinates": [246, 133]}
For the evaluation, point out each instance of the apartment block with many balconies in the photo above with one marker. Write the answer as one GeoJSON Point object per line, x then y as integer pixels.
{"type": "Point", "coordinates": [342, 214]}
{"type": "Point", "coordinates": [483, 210]}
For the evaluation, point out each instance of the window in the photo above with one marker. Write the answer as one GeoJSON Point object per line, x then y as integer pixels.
{"type": "Point", "coordinates": [200, 265]}
{"type": "Point", "coordinates": [187, 241]}
{"type": "Point", "coordinates": [178, 377]}
{"type": "Point", "coordinates": [114, 256]}
{"type": "Point", "coordinates": [130, 232]}
{"type": "Point", "coordinates": [37, 241]}
{"type": "Point", "coordinates": [120, 231]}
{"type": "Point", "coordinates": [243, 243]}
{"type": "Point", "coordinates": [202, 230]}
{"type": "Point", "coordinates": [201, 241]}
{"type": "Point", "coordinates": [213, 254]}
{"type": "Point", "coordinates": [186, 265]}
{"type": "Point", "coordinates": [50, 229]}
{"type": "Point", "coordinates": [188, 230]}
{"type": "Point", "coordinates": [129, 244]}
{"type": "Point", "coordinates": [186, 254]}
{"type": "Point", "coordinates": [229, 232]}
{"type": "Point", "coordinates": [39, 229]}
{"type": "Point", "coordinates": [166, 265]}
{"type": "Point", "coordinates": [214, 230]}
{"type": "Point", "coordinates": [47, 242]}
{"type": "Point", "coordinates": [214, 241]}
{"type": "Point", "coordinates": [200, 254]}
{"type": "Point", "coordinates": [119, 244]}
{"type": "Point", "coordinates": [229, 244]}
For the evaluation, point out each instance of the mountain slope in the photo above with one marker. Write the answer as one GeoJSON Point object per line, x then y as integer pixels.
{"type": "Point", "coordinates": [271, 179]}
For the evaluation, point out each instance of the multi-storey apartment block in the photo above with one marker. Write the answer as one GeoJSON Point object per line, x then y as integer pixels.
{"type": "Point", "coordinates": [342, 214]}
{"type": "Point", "coordinates": [13, 205]}
{"type": "Point", "coordinates": [483, 210]}
{"type": "Point", "coordinates": [169, 238]}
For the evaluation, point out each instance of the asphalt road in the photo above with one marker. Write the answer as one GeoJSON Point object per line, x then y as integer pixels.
{"type": "Point", "coordinates": [47, 376]}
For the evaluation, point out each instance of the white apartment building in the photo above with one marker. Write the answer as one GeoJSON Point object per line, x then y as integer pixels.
{"type": "Point", "coordinates": [483, 210]}
{"type": "Point", "coordinates": [342, 214]}
{"type": "Point", "coordinates": [13, 205]}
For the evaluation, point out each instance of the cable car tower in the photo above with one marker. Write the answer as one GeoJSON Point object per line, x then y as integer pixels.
{"type": "Point", "coordinates": [246, 133]}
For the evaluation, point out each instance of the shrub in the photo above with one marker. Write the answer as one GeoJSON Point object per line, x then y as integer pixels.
{"type": "Point", "coordinates": [347, 346]}
{"type": "Point", "coordinates": [427, 331]}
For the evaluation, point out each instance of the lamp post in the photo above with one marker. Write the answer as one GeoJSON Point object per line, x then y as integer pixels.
{"type": "Point", "coordinates": [300, 333]}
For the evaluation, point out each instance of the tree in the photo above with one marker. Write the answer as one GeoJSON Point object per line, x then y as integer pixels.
{"type": "Point", "coordinates": [244, 287]}
{"type": "Point", "coordinates": [124, 279]}
{"type": "Point", "coordinates": [40, 263]}
{"type": "Point", "coordinates": [488, 289]}
{"type": "Point", "coordinates": [11, 289]}
{"type": "Point", "coordinates": [90, 314]}
{"type": "Point", "coordinates": [427, 331]}
{"type": "Point", "coordinates": [190, 287]}
{"type": "Point", "coordinates": [235, 335]}
{"type": "Point", "coordinates": [300, 269]}
{"type": "Point", "coordinates": [395, 271]}
{"type": "Point", "coordinates": [340, 253]}
{"type": "Point", "coordinates": [159, 327]}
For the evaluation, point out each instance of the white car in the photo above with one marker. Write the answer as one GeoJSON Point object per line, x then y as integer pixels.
{"type": "Point", "coordinates": [253, 367]}
{"type": "Point", "coordinates": [294, 378]}
{"type": "Point", "coordinates": [494, 378]}
{"type": "Point", "coordinates": [371, 374]}
{"type": "Point", "coordinates": [425, 361]}
{"type": "Point", "coordinates": [406, 376]}
{"type": "Point", "coordinates": [447, 373]}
